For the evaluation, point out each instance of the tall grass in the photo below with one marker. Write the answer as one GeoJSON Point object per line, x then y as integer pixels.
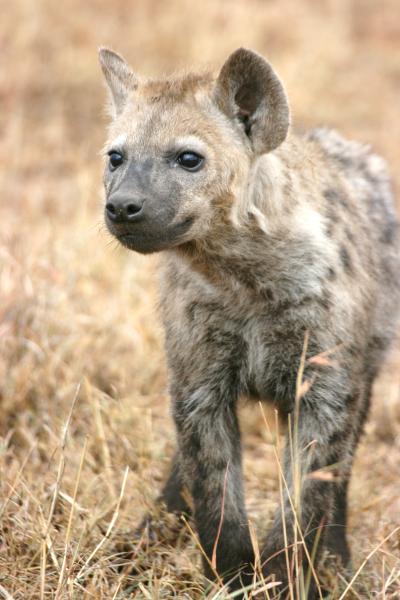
{"type": "Point", "coordinates": [85, 433]}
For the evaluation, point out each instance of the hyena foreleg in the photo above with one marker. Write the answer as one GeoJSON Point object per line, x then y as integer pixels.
{"type": "Point", "coordinates": [172, 499]}
{"type": "Point", "coordinates": [209, 443]}
{"type": "Point", "coordinates": [336, 542]}
{"type": "Point", "coordinates": [317, 467]}
{"type": "Point", "coordinates": [173, 493]}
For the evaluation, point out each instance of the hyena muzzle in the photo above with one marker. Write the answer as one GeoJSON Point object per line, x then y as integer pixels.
{"type": "Point", "coordinates": [269, 240]}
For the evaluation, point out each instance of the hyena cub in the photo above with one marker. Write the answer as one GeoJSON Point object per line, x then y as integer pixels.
{"type": "Point", "coordinates": [268, 238]}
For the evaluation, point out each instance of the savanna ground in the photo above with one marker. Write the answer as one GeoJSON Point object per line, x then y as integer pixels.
{"type": "Point", "coordinates": [78, 315]}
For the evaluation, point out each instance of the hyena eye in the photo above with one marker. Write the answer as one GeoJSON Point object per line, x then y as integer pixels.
{"type": "Point", "coordinates": [115, 159]}
{"type": "Point", "coordinates": [190, 161]}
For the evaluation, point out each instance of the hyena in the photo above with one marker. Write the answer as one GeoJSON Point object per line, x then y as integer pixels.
{"type": "Point", "coordinates": [268, 238]}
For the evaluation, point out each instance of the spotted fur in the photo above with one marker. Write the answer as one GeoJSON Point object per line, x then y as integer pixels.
{"type": "Point", "coordinates": [287, 237]}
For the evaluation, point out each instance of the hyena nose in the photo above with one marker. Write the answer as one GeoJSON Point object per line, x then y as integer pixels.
{"type": "Point", "coordinates": [120, 209]}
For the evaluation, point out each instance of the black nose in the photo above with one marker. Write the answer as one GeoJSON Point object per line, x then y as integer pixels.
{"type": "Point", "coordinates": [120, 209]}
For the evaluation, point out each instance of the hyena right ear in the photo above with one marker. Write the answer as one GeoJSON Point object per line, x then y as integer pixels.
{"type": "Point", "coordinates": [120, 78]}
{"type": "Point", "coordinates": [249, 90]}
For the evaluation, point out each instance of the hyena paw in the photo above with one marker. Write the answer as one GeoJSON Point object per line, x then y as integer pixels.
{"type": "Point", "coordinates": [135, 548]}
{"type": "Point", "coordinates": [162, 527]}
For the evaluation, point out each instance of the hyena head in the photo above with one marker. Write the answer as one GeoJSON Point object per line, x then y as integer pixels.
{"type": "Point", "coordinates": [180, 149]}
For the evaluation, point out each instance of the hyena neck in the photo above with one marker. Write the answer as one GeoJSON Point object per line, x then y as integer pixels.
{"type": "Point", "coordinates": [271, 243]}
{"type": "Point", "coordinates": [264, 200]}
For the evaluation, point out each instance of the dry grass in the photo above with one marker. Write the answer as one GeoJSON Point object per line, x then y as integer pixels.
{"type": "Point", "coordinates": [80, 342]}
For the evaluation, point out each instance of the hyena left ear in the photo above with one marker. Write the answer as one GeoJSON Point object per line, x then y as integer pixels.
{"type": "Point", "coordinates": [249, 90]}
{"type": "Point", "coordinates": [119, 77]}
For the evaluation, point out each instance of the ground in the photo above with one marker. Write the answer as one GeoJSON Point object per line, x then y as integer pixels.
{"type": "Point", "coordinates": [85, 432]}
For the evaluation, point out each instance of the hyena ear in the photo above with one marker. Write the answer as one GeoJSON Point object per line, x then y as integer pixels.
{"type": "Point", "coordinates": [249, 91]}
{"type": "Point", "coordinates": [119, 77]}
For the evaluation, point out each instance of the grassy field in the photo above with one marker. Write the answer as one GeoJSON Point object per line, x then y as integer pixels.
{"type": "Point", "coordinates": [85, 432]}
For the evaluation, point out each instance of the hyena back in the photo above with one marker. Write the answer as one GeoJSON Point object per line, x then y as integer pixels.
{"type": "Point", "coordinates": [268, 238]}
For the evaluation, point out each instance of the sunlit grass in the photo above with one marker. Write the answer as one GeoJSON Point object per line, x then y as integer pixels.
{"type": "Point", "coordinates": [85, 432]}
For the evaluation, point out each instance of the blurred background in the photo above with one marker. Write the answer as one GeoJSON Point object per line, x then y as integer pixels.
{"type": "Point", "coordinates": [76, 310]}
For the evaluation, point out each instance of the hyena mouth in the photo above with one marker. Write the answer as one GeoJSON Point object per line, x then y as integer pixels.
{"type": "Point", "coordinates": [154, 239]}
{"type": "Point", "coordinates": [127, 240]}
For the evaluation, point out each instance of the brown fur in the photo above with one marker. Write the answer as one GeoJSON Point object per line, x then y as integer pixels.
{"type": "Point", "coordinates": [275, 238]}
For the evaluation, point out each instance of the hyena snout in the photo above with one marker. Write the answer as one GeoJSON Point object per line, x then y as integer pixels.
{"type": "Point", "coordinates": [123, 209]}
{"type": "Point", "coordinates": [146, 221]}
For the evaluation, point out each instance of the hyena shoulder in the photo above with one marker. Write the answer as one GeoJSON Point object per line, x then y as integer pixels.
{"type": "Point", "coordinates": [368, 174]}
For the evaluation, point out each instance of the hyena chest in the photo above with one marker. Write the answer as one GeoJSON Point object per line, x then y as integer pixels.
{"type": "Point", "coordinates": [268, 372]}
